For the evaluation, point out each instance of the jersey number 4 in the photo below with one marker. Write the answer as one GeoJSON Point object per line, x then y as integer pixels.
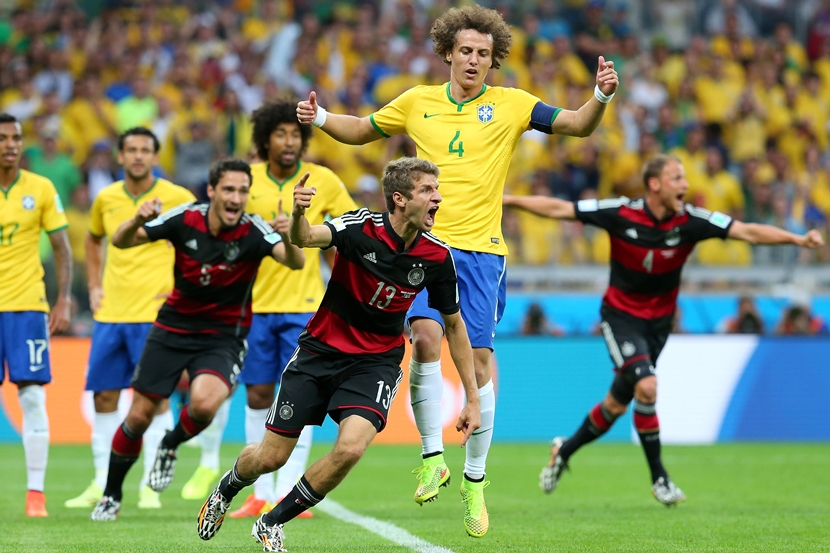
{"type": "Point", "coordinates": [648, 261]}
{"type": "Point", "coordinates": [457, 146]}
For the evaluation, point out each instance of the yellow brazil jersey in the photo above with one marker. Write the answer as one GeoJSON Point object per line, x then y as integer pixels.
{"type": "Point", "coordinates": [278, 289]}
{"type": "Point", "coordinates": [472, 144]}
{"type": "Point", "coordinates": [29, 206]}
{"type": "Point", "coordinates": [136, 280]}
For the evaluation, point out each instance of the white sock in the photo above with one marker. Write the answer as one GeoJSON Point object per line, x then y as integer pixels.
{"type": "Point", "coordinates": [289, 474]}
{"type": "Point", "coordinates": [211, 437]}
{"type": "Point", "coordinates": [161, 424]}
{"type": "Point", "coordinates": [35, 434]}
{"type": "Point", "coordinates": [254, 434]}
{"type": "Point", "coordinates": [104, 426]}
{"type": "Point", "coordinates": [426, 386]}
{"type": "Point", "coordinates": [479, 443]}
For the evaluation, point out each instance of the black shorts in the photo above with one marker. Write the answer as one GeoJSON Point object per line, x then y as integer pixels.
{"type": "Point", "coordinates": [634, 345]}
{"type": "Point", "coordinates": [314, 385]}
{"type": "Point", "coordinates": [167, 354]}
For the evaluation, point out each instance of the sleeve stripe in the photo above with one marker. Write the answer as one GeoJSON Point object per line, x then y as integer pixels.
{"type": "Point", "coordinates": [375, 125]}
{"type": "Point", "coordinates": [259, 223]}
{"type": "Point", "coordinates": [165, 216]}
{"type": "Point", "coordinates": [64, 227]}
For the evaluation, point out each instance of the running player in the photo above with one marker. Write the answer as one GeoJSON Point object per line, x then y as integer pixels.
{"type": "Point", "coordinates": [284, 300]}
{"type": "Point", "coordinates": [470, 131]}
{"type": "Point", "coordinates": [125, 303]}
{"type": "Point", "coordinates": [347, 364]}
{"type": "Point", "coordinates": [29, 205]}
{"type": "Point", "coordinates": [650, 242]}
{"type": "Point", "coordinates": [202, 325]}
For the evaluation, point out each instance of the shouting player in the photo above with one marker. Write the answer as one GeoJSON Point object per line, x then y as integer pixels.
{"type": "Point", "coordinates": [469, 130]}
{"type": "Point", "coordinates": [347, 364]}
{"type": "Point", "coordinates": [650, 242]}
{"type": "Point", "coordinates": [30, 204]}
{"type": "Point", "coordinates": [202, 325]}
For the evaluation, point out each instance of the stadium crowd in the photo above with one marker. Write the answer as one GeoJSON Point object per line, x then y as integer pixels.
{"type": "Point", "coordinates": [737, 96]}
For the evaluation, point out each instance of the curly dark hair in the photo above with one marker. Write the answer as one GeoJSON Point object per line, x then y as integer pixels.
{"type": "Point", "coordinates": [267, 118]}
{"type": "Point", "coordinates": [483, 20]}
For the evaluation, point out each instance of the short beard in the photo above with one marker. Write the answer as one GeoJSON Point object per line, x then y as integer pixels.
{"type": "Point", "coordinates": [135, 177]}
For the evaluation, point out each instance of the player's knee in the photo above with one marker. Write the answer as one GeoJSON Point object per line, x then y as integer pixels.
{"type": "Point", "coordinates": [646, 390]}
{"type": "Point", "coordinates": [106, 401]}
{"type": "Point", "coordinates": [139, 421]}
{"type": "Point", "coordinates": [260, 396]}
{"type": "Point", "coordinates": [426, 340]}
{"type": "Point", "coordinates": [614, 407]}
{"type": "Point", "coordinates": [348, 454]}
{"type": "Point", "coordinates": [202, 409]}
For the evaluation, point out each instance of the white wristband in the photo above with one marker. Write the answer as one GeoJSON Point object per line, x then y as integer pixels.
{"type": "Point", "coordinates": [601, 97]}
{"type": "Point", "coordinates": [320, 118]}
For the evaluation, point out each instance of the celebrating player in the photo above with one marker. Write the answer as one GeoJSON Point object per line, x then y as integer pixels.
{"type": "Point", "coordinates": [469, 130]}
{"type": "Point", "coordinates": [30, 204]}
{"type": "Point", "coordinates": [348, 360]}
{"type": "Point", "coordinates": [202, 325]}
{"type": "Point", "coordinates": [124, 304]}
{"type": "Point", "coordinates": [284, 300]}
{"type": "Point", "coordinates": [650, 242]}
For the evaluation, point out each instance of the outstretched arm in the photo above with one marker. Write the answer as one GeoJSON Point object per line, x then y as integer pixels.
{"type": "Point", "coordinates": [343, 128]}
{"type": "Point", "coordinates": [586, 119]}
{"type": "Point", "coordinates": [756, 233]}
{"type": "Point", "coordinates": [469, 420]}
{"type": "Point", "coordinates": [131, 233]}
{"type": "Point", "coordinates": [542, 205]}
{"type": "Point", "coordinates": [301, 232]}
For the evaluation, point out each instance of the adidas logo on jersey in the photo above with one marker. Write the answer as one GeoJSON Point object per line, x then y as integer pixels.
{"type": "Point", "coordinates": [371, 257]}
{"type": "Point", "coordinates": [631, 233]}
{"type": "Point", "coordinates": [192, 244]}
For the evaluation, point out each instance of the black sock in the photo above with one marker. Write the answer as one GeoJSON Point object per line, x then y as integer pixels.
{"type": "Point", "coordinates": [185, 429]}
{"type": "Point", "coordinates": [467, 478]}
{"type": "Point", "coordinates": [648, 428]}
{"type": "Point", "coordinates": [597, 423]}
{"type": "Point", "coordinates": [433, 454]}
{"type": "Point", "coordinates": [126, 447]}
{"type": "Point", "coordinates": [301, 498]}
{"type": "Point", "coordinates": [231, 484]}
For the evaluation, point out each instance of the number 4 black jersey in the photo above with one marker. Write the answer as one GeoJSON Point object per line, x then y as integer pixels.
{"type": "Point", "coordinates": [647, 255]}
{"type": "Point", "coordinates": [373, 283]}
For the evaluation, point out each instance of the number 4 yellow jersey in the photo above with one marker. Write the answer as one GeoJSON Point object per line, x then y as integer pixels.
{"type": "Point", "coordinates": [472, 144]}
{"type": "Point", "coordinates": [31, 204]}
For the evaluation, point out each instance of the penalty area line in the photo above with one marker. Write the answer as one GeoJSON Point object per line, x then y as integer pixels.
{"type": "Point", "coordinates": [383, 529]}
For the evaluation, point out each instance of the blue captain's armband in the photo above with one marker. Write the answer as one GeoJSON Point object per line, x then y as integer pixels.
{"type": "Point", "coordinates": [542, 116]}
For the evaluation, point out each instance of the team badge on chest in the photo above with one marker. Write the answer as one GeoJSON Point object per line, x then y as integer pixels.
{"type": "Point", "coordinates": [231, 251]}
{"type": "Point", "coordinates": [416, 275]}
{"type": "Point", "coordinates": [28, 203]}
{"type": "Point", "coordinates": [486, 112]}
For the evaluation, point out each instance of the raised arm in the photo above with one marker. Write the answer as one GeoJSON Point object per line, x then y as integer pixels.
{"type": "Point", "coordinates": [93, 246]}
{"type": "Point", "coordinates": [586, 119]}
{"type": "Point", "coordinates": [131, 233]}
{"type": "Point", "coordinates": [347, 129]}
{"type": "Point", "coordinates": [542, 205]}
{"type": "Point", "coordinates": [469, 420]}
{"type": "Point", "coordinates": [59, 317]}
{"type": "Point", "coordinates": [302, 233]}
{"type": "Point", "coordinates": [756, 233]}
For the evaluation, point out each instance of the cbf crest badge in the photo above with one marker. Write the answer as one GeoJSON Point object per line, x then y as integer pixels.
{"type": "Point", "coordinates": [486, 112]}
{"type": "Point", "coordinates": [28, 203]}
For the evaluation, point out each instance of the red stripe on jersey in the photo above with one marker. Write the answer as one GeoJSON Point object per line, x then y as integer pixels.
{"type": "Point", "coordinates": [641, 217]}
{"type": "Point", "coordinates": [333, 331]}
{"type": "Point", "coordinates": [183, 331]}
{"type": "Point", "coordinates": [379, 233]}
{"type": "Point", "coordinates": [429, 250]}
{"type": "Point", "coordinates": [659, 261]}
{"type": "Point", "coordinates": [643, 306]}
{"type": "Point", "coordinates": [196, 219]}
{"type": "Point", "coordinates": [236, 233]}
{"type": "Point", "coordinates": [365, 287]}
{"type": "Point", "coordinates": [230, 314]}
{"type": "Point", "coordinates": [223, 274]}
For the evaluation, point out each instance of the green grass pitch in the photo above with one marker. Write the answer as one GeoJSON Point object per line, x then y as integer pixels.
{"type": "Point", "coordinates": [742, 497]}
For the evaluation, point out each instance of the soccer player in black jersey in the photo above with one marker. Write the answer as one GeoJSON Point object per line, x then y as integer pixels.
{"type": "Point", "coordinates": [347, 364]}
{"type": "Point", "coordinates": [650, 241]}
{"type": "Point", "coordinates": [202, 325]}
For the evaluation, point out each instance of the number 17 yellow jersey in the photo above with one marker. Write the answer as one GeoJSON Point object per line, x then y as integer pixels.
{"type": "Point", "coordinates": [472, 144]}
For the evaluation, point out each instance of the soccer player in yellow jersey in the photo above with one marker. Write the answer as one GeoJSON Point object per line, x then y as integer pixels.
{"type": "Point", "coordinates": [29, 204]}
{"type": "Point", "coordinates": [469, 130]}
{"type": "Point", "coordinates": [125, 294]}
{"type": "Point", "coordinates": [283, 300]}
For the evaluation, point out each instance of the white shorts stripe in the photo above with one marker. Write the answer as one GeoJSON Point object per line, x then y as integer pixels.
{"type": "Point", "coordinates": [611, 342]}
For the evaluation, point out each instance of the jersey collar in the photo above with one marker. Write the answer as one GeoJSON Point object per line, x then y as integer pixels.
{"type": "Point", "coordinates": [280, 184]}
{"type": "Point", "coordinates": [9, 189]}
{"type": "Point", "coordinates": [401, 245]}
{"type": "Point", "coordinates": [136, 198]}
{"type": "Point", "coordinates": [465, 102]}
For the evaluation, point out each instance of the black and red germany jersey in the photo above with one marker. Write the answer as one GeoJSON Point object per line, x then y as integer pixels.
{"type": "Point", "coordinates": [373, 282]}
{"type": "Point", "coordinates": [647, 255]}
{"type": "Point", "coordinates": [213, 274]}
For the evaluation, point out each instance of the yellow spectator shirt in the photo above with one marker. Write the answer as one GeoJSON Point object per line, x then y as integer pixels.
{"type": "Point", "coordinates": [136, 280]}
{"type": "Point", "coordinates": [31, 204]}
{"type": "Point", "coordinates": [278, 289]}
{"type": "Point", "coordinates": [472, 144]}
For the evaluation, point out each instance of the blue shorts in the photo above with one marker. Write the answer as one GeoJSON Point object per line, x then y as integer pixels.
{"type": "Point", "coordinates": [482, 288]}
{"type": "Point", "coordinates": [115, 351]}
{"type": "Point", "coordinates": [271, 342]}
{"type": "Point", "coordinates": [24, 346]}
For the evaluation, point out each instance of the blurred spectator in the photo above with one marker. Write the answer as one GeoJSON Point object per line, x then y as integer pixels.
{"type": "Point", "coordinates": [91, 116]}
{"type": "Point", "coordinates": [233, 127]}
{"type": "Point", "coordinates": [195, 151]}
{"type": "Point", "coordinates": [55, 77]}
{"type": "Point", "coordinates": [47, 161]}
{"type": "Point", "coordinates": [536, 323]}
{"type": "Point", "coordinates": [139, 109]}
{"type": "Point", "coordinates": [100, 168]}
{"type": "Point", "coordinates": [746, 321]}
{"type": "Point", "coordinates": [798, 321]}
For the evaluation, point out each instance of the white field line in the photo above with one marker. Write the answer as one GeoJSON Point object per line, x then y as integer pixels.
{"type": "Point", "coordinates": [383, 529]}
